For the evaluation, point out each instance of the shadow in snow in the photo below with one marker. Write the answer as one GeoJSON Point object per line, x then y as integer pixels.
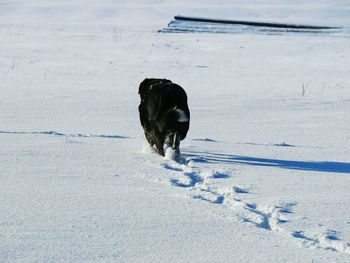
{"type": "Point", "coordinates": [218, 200]}
{"type": "Point", "coordinates": [54, 133]}
{"type": "Point", "coordinates": [218, 175]}
{"type": "Point", "coordinates": [193, 178]}
{"type": "Point", "coordinates": [167, 166]}
{"type": "Point", "coordinates": [301, 235]}
{"type": "Point", "coordinates": [326, 166]}
{"type": "Point", "coordinates": [239, 190]}
{"type": "Point", "coordinates": [204, 140]}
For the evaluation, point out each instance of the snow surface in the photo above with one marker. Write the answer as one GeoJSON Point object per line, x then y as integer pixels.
{"type": "Point", "coordinates": [264, 174]}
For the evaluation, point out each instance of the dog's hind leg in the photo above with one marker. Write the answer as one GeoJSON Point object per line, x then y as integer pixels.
{"type": "Point", "coordinates": [148, 136]}
{"type": "Point", "coordinates": [169, 139]}
{"type": "Point", "coordinates": [176, 144]}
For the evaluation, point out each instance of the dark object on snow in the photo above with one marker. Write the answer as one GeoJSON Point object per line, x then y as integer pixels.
{"type": "Point", "coordinates": [186, 24]}
{"type": "Point", "coordinates": [164, 113]}
{"type": "Point", "coordinates": [249, 23]}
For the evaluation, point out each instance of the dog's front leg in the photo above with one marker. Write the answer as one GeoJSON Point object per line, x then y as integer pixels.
{"type": "Point", "coordinates": [159, 142]}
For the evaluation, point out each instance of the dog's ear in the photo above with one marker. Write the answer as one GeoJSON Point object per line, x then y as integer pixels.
{"type": "Point", "coordinates": [166, 81]}
{"type": "Point", "coordinates": [144, 87]}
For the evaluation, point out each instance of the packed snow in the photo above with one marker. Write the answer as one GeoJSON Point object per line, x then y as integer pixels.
{"type": "Point", "coordinates": [264, 173]}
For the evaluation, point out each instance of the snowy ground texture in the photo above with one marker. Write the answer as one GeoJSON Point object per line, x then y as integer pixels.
{"type": "Point", "coordinates": [265, 170]}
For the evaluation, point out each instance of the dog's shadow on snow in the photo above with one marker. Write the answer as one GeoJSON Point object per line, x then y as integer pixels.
{"type": "Point", "coordinates": [325, 166]}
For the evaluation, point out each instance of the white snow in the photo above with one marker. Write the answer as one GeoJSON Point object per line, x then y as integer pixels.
{"type": "Point", "coordinates": [264, 173]}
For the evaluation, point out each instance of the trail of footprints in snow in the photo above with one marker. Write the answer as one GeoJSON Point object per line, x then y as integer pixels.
{"type": "Point", "coordinates": [270, 217]}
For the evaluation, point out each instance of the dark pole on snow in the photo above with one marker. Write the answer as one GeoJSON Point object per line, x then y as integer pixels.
{"type": "Point", "coordinates": [249, 23]}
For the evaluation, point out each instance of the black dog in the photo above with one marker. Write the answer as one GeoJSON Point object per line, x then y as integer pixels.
{"type": "Point", "coordinates": [164, 113]}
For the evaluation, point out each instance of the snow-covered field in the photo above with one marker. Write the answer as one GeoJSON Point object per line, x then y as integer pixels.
{"type": "Point", "coordinates": [265, 169]}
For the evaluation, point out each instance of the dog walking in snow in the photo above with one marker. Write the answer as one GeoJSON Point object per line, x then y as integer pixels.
{"type": "Point", "coordinates": [164, 114]}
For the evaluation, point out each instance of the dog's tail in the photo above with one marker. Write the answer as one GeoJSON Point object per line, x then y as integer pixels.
{"type": "Point", "coordinates": [181, 115]}
{"type": "Point", "coordinates": [175, 114]}
{"type": "Point", "coordinates": [171, 117]}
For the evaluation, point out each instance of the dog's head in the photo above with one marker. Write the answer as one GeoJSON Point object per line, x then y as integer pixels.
{"type": "Point", "coordinates": [147, 84]}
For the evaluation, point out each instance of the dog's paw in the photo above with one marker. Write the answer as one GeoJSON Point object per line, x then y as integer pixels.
{"type": "Point", "coordinates": [170, 154]}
